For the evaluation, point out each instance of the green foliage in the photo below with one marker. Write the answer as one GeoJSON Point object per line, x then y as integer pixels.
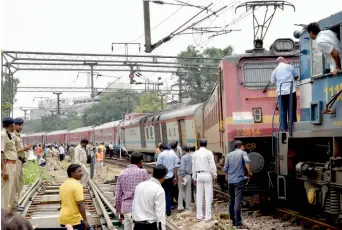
{"type": "Point", "coordinates": [111, 107]}
{"type": "Point", "coordinates": [199, 82]}
{"type": "Point", "coordinates": [6, 92]}
{"type": "Point", "coordinates": [150, 103]}
{"type": "Point", "coordinates": [32, 172]}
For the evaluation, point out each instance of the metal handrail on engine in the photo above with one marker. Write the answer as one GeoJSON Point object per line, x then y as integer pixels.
{"type": "Point", "coordinates": [290, 122]}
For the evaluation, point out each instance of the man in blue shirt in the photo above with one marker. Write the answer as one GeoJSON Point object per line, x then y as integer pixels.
{"type": "Point", "coordinates": [283, 76]}
{"type": "Point", "coordinates": [170, 160]}
{"type": "Point", "coordinates": [234, 166]}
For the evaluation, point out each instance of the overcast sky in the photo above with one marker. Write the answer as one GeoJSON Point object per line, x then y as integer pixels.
{"type": "Point", "coordinates": [89, 26]}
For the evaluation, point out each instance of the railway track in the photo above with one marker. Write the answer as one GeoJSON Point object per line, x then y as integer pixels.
{"type": "Point", "coordinates": [42, 205]}
{"type": "Point", "coordinates": [316, 222]}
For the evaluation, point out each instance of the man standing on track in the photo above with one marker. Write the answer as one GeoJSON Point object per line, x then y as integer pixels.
{"type": "Point", "coordinates": [9, 159]}
{"type": "Point", "coordinates": [203, 173]}
{"type": "Point", "coordinates": [111, 150]}
{"type": "Point", "coordinates": [81, 159]}
{"type": "Point", "coordinates": [71, 151]}
{"type": "Point", "coordinates": [126, 183]}
{"type": "Point", "coordinates": [234, 166]}
{"type": "Point", "coordinates": [184, 182]}
{"type": "Point", "coordinates": [72, 200]}
{"type": "Point", "coordinates": [169, 159]}
{"type": "Point", "coordinates": [19, 183]}
{"type": "Point", "coordinates": [149, 202]}
{"type": "Point", "coordinates": [99, 161]}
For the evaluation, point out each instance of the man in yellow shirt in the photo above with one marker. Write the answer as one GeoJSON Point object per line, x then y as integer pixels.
{"type": "Point", "coordinates": [72, 200]}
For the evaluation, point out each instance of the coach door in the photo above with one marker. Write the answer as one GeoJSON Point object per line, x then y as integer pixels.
{"type": "Point", "coordinates": [142, 136]}
{"type": "Point", "coordinates": [181, 130]}
{"type": "Point", "coordinates": [164, 132]}
{"type": "Point", "coordinates": [157, 134]}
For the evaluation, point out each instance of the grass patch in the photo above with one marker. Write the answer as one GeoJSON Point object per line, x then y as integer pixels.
{"type": "Point", "coordinates": [32, 172]}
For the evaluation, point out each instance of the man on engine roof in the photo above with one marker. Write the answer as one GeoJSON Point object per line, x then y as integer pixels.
{"type": "Point", "coordinates": [328, 43]}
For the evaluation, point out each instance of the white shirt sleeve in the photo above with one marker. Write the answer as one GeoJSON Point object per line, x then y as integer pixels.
{"type": "Point", "coordinates": [273, 77]}
{"type": "Point", "coordinates": [325, 47]}
{"type": "Point", "coordinates": [3, 141]}
{"type": "Point", "coordinates": [212, 164]}
{"type": "Point", "coordinates": [77, 155]}
{"type": "Point", "coordinates": [159, 204]}
{"type": "Point", "coordinates": [194, 166]}
{"type": "Point", "coordinates": [294, 72]}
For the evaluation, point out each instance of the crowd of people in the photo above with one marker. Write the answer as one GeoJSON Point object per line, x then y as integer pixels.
{"type": "Point", "coordinates": [181, 177]}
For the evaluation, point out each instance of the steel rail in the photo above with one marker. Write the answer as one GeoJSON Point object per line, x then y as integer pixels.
{"type": "Point", "coordinates": [30, 197]}
{"type": "Point", "coordinates": [102, 208]}
{"type": "Point", "coordinates": [28, 191]}
{"type": "Point", "coordinates": [294, 213]}
{"type": "Point", "coordinates": [112, 209]}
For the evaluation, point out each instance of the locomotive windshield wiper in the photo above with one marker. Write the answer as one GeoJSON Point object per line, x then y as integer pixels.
{"type": "Point", "coordinates": [265, 89]}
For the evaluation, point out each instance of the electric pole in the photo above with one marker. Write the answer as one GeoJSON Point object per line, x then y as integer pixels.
{"type": "Point", "coordinates": [161, 101]}
{"type": "Point", "coordinates": [180, 89]}
{"type": "Point", "coordinates": [25, 112]}
{"type": "Point", "coordinates": [58, 100]}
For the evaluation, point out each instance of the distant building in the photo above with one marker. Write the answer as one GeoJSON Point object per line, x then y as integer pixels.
{"type": "Point", "coordinates": [82, 103]}
{"type": "Point", "coordinates": [46, 106]}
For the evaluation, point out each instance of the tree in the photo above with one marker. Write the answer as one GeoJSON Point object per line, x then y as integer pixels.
{"type": "Point", "coordinates": [149, 103]}
{"type": "Point", "coordinates": [7, 102]}
{"type": "Point", "coordinates": [111, 107]}
{"type": "Point", "coordinates": [199, 82]}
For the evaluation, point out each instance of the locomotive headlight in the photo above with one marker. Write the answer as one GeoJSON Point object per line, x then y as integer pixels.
{"type": "Point", "coordinates": [257, 115]}
{"type": "Point", "coordinates": [283, 45]}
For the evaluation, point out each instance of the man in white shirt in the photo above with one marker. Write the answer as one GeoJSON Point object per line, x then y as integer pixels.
{"type": "Point", "coordinates": [203, 172]}
{"type": "Point", "coordinates": [283, 76]}
{"type": "Point", "coordinates": [61, 152]}
{"type": "Point", "coordinates": [80, 157]}
{"type": "Point", "coordinates": [148, 209]}
{"type": "Point", "coordinates": [328, 43]}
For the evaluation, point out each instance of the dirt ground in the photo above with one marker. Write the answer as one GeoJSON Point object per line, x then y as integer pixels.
{"type": "Point", "coordinates": [186, 220]}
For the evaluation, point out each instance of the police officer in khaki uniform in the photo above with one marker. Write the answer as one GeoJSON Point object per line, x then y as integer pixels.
{"type": "Point", "coordinates": [21, 150]}
{"type": "Point", "coordinates": [9, 158]}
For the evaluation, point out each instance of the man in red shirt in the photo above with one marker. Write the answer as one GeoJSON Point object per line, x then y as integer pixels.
{"type": "Point", "coordinates": [127, 181]}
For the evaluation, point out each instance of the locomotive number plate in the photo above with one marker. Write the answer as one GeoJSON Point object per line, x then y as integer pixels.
{"type": "Point", "coordinates": [248, 132]}
{"type": "Point", "coordinates": [332, 90]}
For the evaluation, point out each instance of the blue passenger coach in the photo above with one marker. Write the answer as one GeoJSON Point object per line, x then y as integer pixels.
{"type": "Point", "coordinates": [309, 156]}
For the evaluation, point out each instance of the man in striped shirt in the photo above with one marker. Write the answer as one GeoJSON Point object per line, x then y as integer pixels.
{"type": "Point", "coordinates": [127, 181]}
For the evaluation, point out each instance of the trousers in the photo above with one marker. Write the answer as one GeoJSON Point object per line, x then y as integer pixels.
{"type": "Point", "coordinates": [19, 182]}
{"type": "Point", "coordinates": [146, 226]}
{"type": "Point", "coordinates": [92, 169]}
{"type": "Point", "coordinates": [184, 191]}
{"type": "Point", "coordinates": [98, 168]}
{"type": "Point", "coordinates": [8, 187]}
{"type": "Point", "coordinates": [167, 186]}
{"type": "Point", "coordinates": [285, 110]}
{"type": "Point", "coordinates": [85, 176]}
{"type": "Point", "coordinates": [204, 187]}
{"type": "Point", "coordinates": [235, 197]}
{"type": "Point", "coordinates": [128, 221]}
